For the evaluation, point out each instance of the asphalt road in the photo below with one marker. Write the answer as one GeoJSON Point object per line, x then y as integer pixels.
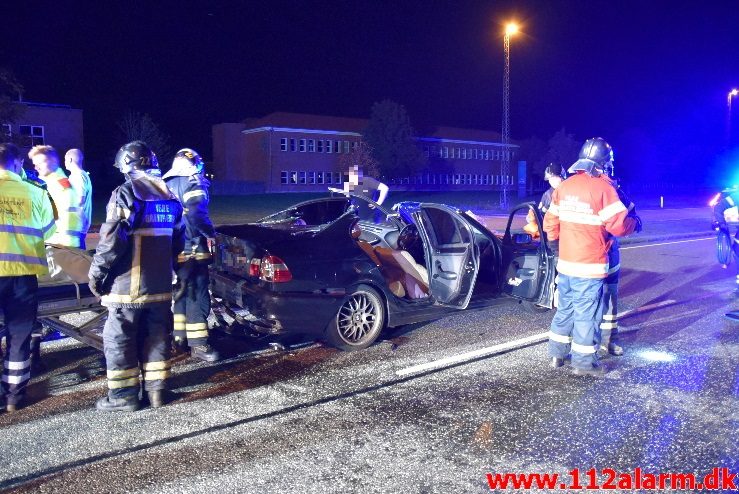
{"type": "Point", "coordinates": [318, 420]}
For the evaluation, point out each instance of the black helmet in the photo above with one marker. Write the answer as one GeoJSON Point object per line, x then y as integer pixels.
{"type": "Point", "coordinates": [598, 150]}
{"type": "Point", "coordinates": [553, 170]}
{"type": "Point", "coordinates": [192, 157]}
{"type": "Point", "coordinates": [594, 156]}
{"type": "Point", "coordinates": [135, 155]}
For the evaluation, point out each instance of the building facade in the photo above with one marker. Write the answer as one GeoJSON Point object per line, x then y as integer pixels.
{"type": "Point", "coordinates": [45, 123]}
{"type": "Point", "coordinates": [288, 152]}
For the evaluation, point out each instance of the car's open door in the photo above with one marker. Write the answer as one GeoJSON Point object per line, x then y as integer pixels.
{"type": "Point", "coordinates": [452, 259]}
{"type": "Point", "coordinates": [528, 264]}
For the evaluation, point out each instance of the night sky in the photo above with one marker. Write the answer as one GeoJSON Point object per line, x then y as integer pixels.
{"type": "Point", "coordinates": [652, 77]}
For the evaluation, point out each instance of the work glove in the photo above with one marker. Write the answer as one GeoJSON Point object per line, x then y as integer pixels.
{"type": "Point", "coordinates": [96, 287]}
{"type": "Point", "coordinates": [638, 227]}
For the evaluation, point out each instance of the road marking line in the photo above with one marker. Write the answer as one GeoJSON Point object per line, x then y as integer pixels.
{"type": "Point", "coordinates": [667, 243]}
{"type": "Point", "coordinates": [483, 352]}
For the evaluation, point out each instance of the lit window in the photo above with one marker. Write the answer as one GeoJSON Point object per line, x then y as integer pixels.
{"type": "Point", "coordinates": [301, 145]}
{"type": "Point", "coordinates": [284, 175]}
{"type": "Point", "coordinates": [293, 177]}
{"type": "Point", "coordinates": [311, 145]}
{"type": "Point", "coordinates": [319, 147]}
{"type": "Point", "coordinates": [292, 145]}
{"type": "Point", "coordinates": [32, 135]}
{"type": "Point", "coordinates": [301, 178]}
{"type": "Point", "coordinates": [283, 144]}
{"type": "Point", "coordinates": [311, 177]}
{"type": "Point", "coordinates": [319, 176]}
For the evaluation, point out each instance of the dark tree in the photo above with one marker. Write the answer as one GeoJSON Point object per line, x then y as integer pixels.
{"type": "Point", "coordinates": [362, 157]}
{"type": "Point", "coordinates": [135, 126]}
{"type": "Point", "coordinates": [563, 148]}
{"type": "Point", "coordinates": [11, 91]}
{"type": "Point", "coordinates": [392, 140]}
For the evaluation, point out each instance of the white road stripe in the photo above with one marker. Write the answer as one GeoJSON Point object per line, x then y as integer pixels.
{"type": "Point", "coordinates": [667, 243]}
{"type": "Point", "coordinates": [483, 352]}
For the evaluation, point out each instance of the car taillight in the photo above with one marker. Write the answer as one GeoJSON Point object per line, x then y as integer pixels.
{"type": "Point", "coordinates": [254, 267]}
{"type": "Point", "coordinates": [273, 269]}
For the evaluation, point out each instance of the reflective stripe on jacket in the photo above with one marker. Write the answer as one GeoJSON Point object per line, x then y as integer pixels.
{"type": "Point", "coordinates": [142, 234]}
{"type": "Point", "coordinates": [192, 191]}
{"type": "Point", "coordinates": [26, 221]}
{"type": "Point", "coordinates": [584, 211]}
{"type": "Point", "coordinates": [69, 227]}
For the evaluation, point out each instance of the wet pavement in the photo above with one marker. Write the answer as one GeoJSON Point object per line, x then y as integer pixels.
{"type": "Point", "coordinates": [314, 419]}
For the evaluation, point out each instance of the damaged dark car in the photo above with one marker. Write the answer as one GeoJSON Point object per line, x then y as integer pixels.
{"type": "Point", "coordinates": [343, 268]}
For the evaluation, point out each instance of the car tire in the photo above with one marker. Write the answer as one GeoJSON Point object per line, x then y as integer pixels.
{"type": "Point", "coordinates": [359, 320]}
{"type": "Point", "coordinates": [532, 308]}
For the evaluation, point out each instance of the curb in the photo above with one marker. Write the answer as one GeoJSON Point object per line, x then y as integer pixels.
{"type": "Point", "coordinates": [638, 239]}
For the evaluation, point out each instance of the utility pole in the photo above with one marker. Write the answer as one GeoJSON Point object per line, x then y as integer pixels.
{"type": "Point", "coordinates": [505, 164]}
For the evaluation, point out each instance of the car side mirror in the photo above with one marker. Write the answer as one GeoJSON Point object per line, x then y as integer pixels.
{"type": "Point", "coordinates": [522, 238]}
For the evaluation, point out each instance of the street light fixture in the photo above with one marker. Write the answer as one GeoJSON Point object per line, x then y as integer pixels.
{"type": "Point", "coordinates": [505, 166]}
{"type": "Point", "coordinates": [732, 93]}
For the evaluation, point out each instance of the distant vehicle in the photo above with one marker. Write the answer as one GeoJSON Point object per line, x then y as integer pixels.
{"type": "Point", "coordinates": [342, 268]}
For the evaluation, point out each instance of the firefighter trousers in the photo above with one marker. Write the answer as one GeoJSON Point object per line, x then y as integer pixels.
{"type": "Point", "coordinates": [576, 325]}
{"type": "Point", "coordinates": [19, 303]}
{"type": "Point", "coordinates": [191, 311]}
{"type": "Point", "coordinates": [609, 323]}
{"type": "Point", "coordinates": [137, 343]}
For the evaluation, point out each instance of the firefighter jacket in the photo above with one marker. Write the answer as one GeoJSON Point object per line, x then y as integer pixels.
{"type": "Point", "coordinates": [69, 227]}
{"type": "Point", "coordinates": [142, 234]}
{"type": "Point", "coordinates": [729, 199]}
{"type": "Point", "coordinates": [584, 211]}
{"type": "Point", "coordinates": [192, 191]}
{"type": "Point", "coordinates": [26, 221]}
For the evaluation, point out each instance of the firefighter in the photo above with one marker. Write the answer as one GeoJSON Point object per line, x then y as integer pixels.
{"type": "Point", "coordinates": [69, 227]}
{"type": "Point", "coordinates": [26, 221]}
{"type": "Point", "coordinates": [584, 211]}
{"type": "Point", "coordinates": [186, 181]}
{"type": "Point", "coordinates": [554, 174]}
{"type": "Point", "coordinates": [131, 272]}
{"type": "Point", "coordinates": [726, 205]}
{"type": "Point", "coordinates": [609, 322]}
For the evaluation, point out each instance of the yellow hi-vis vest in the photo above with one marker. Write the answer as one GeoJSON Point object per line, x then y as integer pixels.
{"type": "Point", "coordinates": [69, 226]}
{"type": "Point", "coordinates": [26, 221]}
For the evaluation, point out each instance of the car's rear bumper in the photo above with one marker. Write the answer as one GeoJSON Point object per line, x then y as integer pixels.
{"type": "Point", "coordinates": [278, 312]}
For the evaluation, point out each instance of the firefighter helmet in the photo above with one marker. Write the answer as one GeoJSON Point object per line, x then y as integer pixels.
{"type": "Point", "coordinates": [189, 157]}
{"type": "Point", "coordinates": [594, 157]}
{"type": "Point", "coordinates": [136, 155]}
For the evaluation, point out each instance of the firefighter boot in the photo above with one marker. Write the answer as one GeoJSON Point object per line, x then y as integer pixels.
{"type": "Point", "coordinates": [179, 345]}
{"type": "Point", "coordinates": [156, 398]}
{"type": "Point", "coordinates": [126, 404]}
{"type": "Point", "coordinates": [205, 352]}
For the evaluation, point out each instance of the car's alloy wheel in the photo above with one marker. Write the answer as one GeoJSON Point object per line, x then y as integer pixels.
{"type": "Point", "coordinates": [359, 320]}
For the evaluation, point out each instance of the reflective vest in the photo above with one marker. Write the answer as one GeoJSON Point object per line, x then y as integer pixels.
{"type": "Point", "coordinates": [26, 221]}
{"type": "Point", "coordinates": [584, 213]}
{"type": "Point", "coordinates": [82, 185]}
{"type": "Point", "coordinates": [69, 227]}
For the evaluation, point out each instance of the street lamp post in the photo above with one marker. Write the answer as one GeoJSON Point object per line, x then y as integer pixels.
{"type": "Point", "coordinates": [505, 164]}
{"type": "Point", "coordinates": [731, 95]}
